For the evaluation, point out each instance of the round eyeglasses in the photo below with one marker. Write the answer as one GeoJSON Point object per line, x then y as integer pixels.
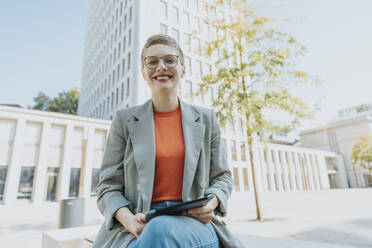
{"type": "Point", "coordinates": [152, 62]}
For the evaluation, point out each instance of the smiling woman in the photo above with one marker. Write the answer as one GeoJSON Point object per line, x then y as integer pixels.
{"type": "Point", "coordinates": [161, 153]}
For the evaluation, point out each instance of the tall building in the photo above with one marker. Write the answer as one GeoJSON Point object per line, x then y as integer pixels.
{"type": "Point", "coordinates": [116, 33]}
{"type": "Point", "coordinates": [340, 135]}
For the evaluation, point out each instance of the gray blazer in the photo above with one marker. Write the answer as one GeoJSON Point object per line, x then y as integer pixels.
{"type": "Point", "coordinates": [128, 166]}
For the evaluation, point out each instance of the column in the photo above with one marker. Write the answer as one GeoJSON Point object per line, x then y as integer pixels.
{"type": "Point", "coordinates": [315, 171]}
{"type": "Point", "coordinates": [65, 167]}
{"type": "Point", "coordinates": [309, 171]}
{"type": "Point", "coordinates": [298, 170]}
{"type": "Point", "coordinates": [324, 180]}
{"type": "Point", "coordinates": [285, 172]}
{"type": "Point", "coordinates": [40, 183]}
{"type": "Point", "coordinates": [271, 169]}
{"type": "Point", "coordinates": [86, 167]}
{"type": "Point", "coordinates": [292, 171]}
{"type": "Point", "coordinates": [264, 169]}
{"type": "Point", "coordinates": [278, 171]}
{"type": "Point", "coordinates": [14, 170]}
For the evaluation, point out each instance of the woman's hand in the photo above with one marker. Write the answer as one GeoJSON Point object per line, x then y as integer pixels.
{"type": "Point", "coordinates": [132, 223]}
{"type": "Point", "coordinates": [136, 224]}
{"type": "Point", "coordinates": [205, 213]}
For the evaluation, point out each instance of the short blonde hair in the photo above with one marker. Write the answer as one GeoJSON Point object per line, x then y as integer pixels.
{"type": "Point", "coordinates": [164, 40]}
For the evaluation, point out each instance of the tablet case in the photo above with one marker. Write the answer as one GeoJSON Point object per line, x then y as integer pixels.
{"type": "Point", "coordinates": [178, 208]}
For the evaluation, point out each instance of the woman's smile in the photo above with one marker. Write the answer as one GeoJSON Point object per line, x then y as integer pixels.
{"type": "Point", "coordinates": [162, 77]}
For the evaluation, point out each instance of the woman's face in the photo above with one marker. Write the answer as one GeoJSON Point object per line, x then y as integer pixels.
{"type": "Point", "coordinates": [163, 79]}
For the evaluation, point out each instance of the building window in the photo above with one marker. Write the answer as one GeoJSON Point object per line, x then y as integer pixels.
{"type": "Point", "coordinates": [118, 72]}
{"type": "Point", "coordinates": [198, 69]}
{"type": "Point", "coordinates": [234, 155]}
{"type": "Point", "coordinates": [130, 15]}
{"type": "Point", "coordinates": [95, 180]}
{"type": "Point", "coordinates": [52, 175]}
{"type": "Point", "coordinates": [122, 92]}
{"type": "Point", "coordinates": [26, 182]}
{"type": "Point", "coordinates": [127, 89]}
{"type": "Point", "coordinates": [74, 182]}
{"type": "Point", "coordinates": [3, 173]}
{"type": "Point", "coordinates": [123, 67]}
{"type": "Point", "coordinates": [176, 34]}
{"type": "Point", "coordinates": [188, 89]}
{"type": "Point", "coordinates": [128, 61]}
{"type": "Point", "coordinates": [125, 22]}
{"type": "Point", "coordinates": [130, 37]}
{"type": "Point", "coordinates": [236, 179]}
{"type": "Point", "coordinates": [112, 101]}
{"type": "Point", "coordinates": [185, 19]}
{"type": "Point", "coordinates": [174, 18]}
{"type": "Point", "coordinates": [187, 42]}
{"type": "Point", "coordinates": [243, 154]}
{"type": "Point", "coordinates": [188, 66]}
{"type": "Point", "coordinates": [163, 10]}
{"type": "Point", "coordinates": [117, 97]}
{"type": "Point", "coordinates": [196, 24]}
{"type": "Point", "coordinates": [163, 29]}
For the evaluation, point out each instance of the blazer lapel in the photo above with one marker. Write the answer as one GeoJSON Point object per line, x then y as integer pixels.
{"type": "Point", "coordinates": [193, 134]}
{"type": "Point", "coordinates": [141, 131]}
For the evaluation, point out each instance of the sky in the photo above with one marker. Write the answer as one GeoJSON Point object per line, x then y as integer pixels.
{"type": "Point", "coordinates": [42, 46]}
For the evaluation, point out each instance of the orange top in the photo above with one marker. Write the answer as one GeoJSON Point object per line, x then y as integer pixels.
{"type": "Point", "coordinates": [169, 156]}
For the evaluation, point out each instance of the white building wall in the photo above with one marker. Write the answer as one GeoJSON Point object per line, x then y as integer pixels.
{"type": "Point", "coordinates": [44, 140]}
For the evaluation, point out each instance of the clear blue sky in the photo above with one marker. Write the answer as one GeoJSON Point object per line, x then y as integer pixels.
{"type": "Point", "coordinates": [42, 42]}
{"type": "Point", "coordinates": [41, 47]}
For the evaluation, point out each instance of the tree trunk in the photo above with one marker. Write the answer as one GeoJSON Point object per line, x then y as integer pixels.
{"type": "Point", "coordinates": [257, 197]}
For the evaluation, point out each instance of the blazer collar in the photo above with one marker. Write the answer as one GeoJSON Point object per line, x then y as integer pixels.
{"type": "Point", "coordinates": [141, 131]}
{"type": "Point", "coordinates": [146, 110]}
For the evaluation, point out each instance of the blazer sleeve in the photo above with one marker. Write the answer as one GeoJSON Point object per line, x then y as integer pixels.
{"type": "Point", "coordinates": [110, 187]}
{"type": "Point", "coordinates": [221, 182]}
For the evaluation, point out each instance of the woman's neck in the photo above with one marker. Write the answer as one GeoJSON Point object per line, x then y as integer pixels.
{"type": "Point", "coordinates": [165, 103]}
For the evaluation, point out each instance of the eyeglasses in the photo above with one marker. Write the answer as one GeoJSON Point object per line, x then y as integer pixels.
{"type": "Point", "coordinates": [152, 62]}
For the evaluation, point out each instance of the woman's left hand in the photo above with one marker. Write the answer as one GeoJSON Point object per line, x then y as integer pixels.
{"type": "Point", "coordinates": [205, 213]}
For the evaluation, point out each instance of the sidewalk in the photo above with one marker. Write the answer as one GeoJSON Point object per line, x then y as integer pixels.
{"type": "Point", "coordinates": [326, 219]}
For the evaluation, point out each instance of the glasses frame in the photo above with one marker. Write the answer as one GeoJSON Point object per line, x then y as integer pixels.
{"type": "Point", "coordinates": [159, 58]}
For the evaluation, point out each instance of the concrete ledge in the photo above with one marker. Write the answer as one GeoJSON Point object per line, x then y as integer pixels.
{"type": "Point", "coordinates": [77, 237]}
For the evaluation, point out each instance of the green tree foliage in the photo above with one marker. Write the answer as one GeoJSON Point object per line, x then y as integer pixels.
{"type": "Point", "coordinates": [254, 70]}
{"type": "Point", "coordinates": [362, 152]}
{"type": "Point", "coordinates": [65, 102]}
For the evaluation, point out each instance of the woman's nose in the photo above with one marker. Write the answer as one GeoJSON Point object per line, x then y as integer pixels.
{"type": "Point", "coordinates": [161, 65]}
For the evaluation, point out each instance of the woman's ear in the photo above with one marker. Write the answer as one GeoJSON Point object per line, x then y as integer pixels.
{"type": "Point", "coordinates": [143, 72]}
{"type": "Point", "coordinates": [183, 71]}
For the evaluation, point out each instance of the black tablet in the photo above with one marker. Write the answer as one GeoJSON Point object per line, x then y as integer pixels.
{"type": "Point", "coordinates": [178, 208]}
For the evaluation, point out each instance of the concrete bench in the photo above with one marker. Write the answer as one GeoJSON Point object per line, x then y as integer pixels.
{"type": "Point", "coordinates": [77, 237]}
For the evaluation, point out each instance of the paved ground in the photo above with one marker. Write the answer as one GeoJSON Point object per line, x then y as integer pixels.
{"type": "Point", "coordinates": [335, 218]}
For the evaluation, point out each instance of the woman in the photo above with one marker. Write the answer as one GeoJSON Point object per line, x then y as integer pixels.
{"type": "Point", "coordinates": [160, 153]}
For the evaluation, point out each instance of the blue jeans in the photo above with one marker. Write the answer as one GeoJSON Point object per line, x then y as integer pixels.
{"type": "Point", "coordinates": [175, 231]}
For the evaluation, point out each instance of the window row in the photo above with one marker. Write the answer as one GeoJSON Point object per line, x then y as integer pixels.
{"type": "Point", "coordinates": [112, 102]}
{"type": "Point", "coordinates": [26, 182]}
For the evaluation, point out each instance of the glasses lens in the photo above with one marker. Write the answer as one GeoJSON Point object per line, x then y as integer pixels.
{"type": "Point", "coordinates": [170, 60]}
{"type": "Point", "coordinates": [151, 62]}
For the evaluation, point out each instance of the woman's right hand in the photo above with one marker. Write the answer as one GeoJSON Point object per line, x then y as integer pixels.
{"type": "Point", "coordinates": [132, 223]}
{"type": "Point", "coordinates": [136, 224]}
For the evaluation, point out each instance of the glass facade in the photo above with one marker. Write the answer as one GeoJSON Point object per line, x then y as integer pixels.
{"type": "Point", "coordinates": [74, 182]}
{"type": "Point", "coordinates": [95, 179]}
{"type": "Point", "coordinates": [52, 175]}
{"type": "Point", "coordinates": [26, 182]}
{"type": "Point", "coordinates": [3, 172]}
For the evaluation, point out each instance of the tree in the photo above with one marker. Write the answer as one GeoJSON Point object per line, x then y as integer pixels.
{"type": "Point", "coordinates": [362, 154]}
{"type": "Point", "coordinates": [254, 70]}
{"type": "Point", "coordinates": [66, 102]}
